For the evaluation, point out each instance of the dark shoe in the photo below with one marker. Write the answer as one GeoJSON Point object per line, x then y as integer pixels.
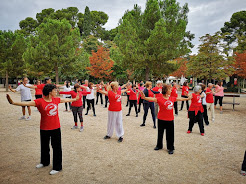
{"type": "Point", "coordinates": [94, 115]}
{"type": "Point", "coordinates": [86, 113]}
{"type": "Point", "coordinates": [136, 115]}
{"type": "Point", "coordinates": [156, 148]}
{"type": "Point", "coordinates": [154, 127]}
{"type": "Point", "coordinates": [180, 109]}
{"type": "Point", "coordinates": [138, 111]}
{"type": "Point", "coordinates": [106, 137]}
{"type": "Point", "coordinates": [128, 115]}
{"type": "Point", "coordinates": [142, 125]}
{"type": "Point", "coordinates": [120, 139]}
{"type": "Point", "coordinates": [170, 152]}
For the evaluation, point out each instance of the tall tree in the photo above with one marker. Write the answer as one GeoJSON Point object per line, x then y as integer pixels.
{"type": "Point", "coordinates": [55, 44]}
{"type": "Point", "coordinates": [90, 43]}
{"type": "Point", "coordinates": [85, 28]}
{"type": "Point", "coordinates": [149, 39]}
{"type": "Point", "coordinates": [240, 64]}
{"type": "Point", "coordinates": [101, 64]}
{"type": "Point", "coordinates": [182, 68]}
{"type": "Point", "coordinates": [28, 26]}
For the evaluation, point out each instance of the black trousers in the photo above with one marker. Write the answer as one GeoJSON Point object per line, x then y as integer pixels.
{"type": "Point", "coordinates": [84, 100]}
{"type": "Point", "coordinates": [77, 111]}
{"type": "Point", "coordinates": [244, 162]}
{"type": "Point", "coordinates": [146, 109]}
{"type": "Point", "coordinates": [106, 101]}
{"type": "Point", "coordinates": [169, 126]}
{"type": "Point", "coordinates": [187, 103]}
{"type": "Point", "coordinates": [99, 94]}
{"type": "Point", "coordinates": [176, 107]}
{"type": "Point", "coordinates": [196, 118]}
{"type": "Point", "coordinates": [133, 102]}
{"type": "Point", "coordinates": [127, 103]}
{"type": "Point", "coordinates": [92, 103]}
{"type": "Point", "coordinates": [38, 96]}
{"type": "Point", "coordinates": [205, 115]}
{"type": "Point", "coordinates": [139, 105]}
{"type": "Point", "coordinates": [55, 137]}
{"type": "Point", "coordinates": [216, 98]}
{"type": "Point", "coordinates": [68, 103]}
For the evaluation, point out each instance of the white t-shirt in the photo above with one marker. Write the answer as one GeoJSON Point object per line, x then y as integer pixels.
{"type": "Point", "coordinates": [204, 99]}
{"type": "Point", "coordinates": [90, 96]}
{"type": "Point", "coordinates": [25, 92]}
{"type": "Point", "coordinates": [65, 89]}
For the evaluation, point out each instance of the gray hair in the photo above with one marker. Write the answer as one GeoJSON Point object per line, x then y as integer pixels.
{"type": "Point", "coordinates": [196, 88]}
{"type": "Point", "coordinates": [210, 84]}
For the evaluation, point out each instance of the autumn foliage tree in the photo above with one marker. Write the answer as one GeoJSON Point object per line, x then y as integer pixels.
{"type": "Point", "coordinates": [101, 64]}
{"type": "Point", "coordinates": [182, 68]}
{"type": "Point", "coordinates": [240, 64]}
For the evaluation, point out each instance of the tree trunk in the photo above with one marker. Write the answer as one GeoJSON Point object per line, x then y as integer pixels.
{"type": "Point", "coordinates": [57, 75]}
{"type": "Point", "coordinates": [147, 73]}
{"type": "Point", "coordinates": [7, 81]}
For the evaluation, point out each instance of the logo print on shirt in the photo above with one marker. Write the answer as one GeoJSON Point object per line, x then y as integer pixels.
{"type": "Point", "coordinates": [199, 100]}
{"type": "Point", "coordinates": [169, 105]}
{"type": "Point", "coordinates": [51, 109]}
{"type": "Point", "coordinates": [118, 98]}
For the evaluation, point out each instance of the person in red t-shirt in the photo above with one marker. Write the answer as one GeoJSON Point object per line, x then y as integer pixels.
{"type": "Point", "coordinates": [100, 85]}
{"type": "Point", "coordinates": [114, 111]}
{"type": "Point", "coordinates": [158, 88]}
{"type": "Point", "coordinates": [84, 89]}
{"type": "Point", "coordinates": [38, 92]}
{"type": "Point", "coordinates": [185, 94]}
{"type": "Point", "coordinates": [133, 99]}
{"type": "Point", "coordinates": [49, 125]}
{"type": "Point", "coordinates": [140, 100]}
{"type": "Point", "coordinates": [106, 97]}
{"type": "Point", "coordinates": [174, 93]}
{"type": "Point", "coordinates": [210, 99]}
{"type": "Point", "coordinates": [196, 110]}
{"type": "Point", "coordinates": [165, 117]}
{"type": "Point", "coordinates": [77, 107]}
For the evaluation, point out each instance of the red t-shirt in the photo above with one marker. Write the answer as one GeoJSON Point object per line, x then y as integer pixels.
{"type": "Point", "coordinates": [166, 108]}
{"type": "Point", "coordinates": [49, 113]}
{"type": "Point", "coordinates": [79, 102]}
{"type": "Point", "coordinates": [159, 89]}
{"type": "Point", "coordinates": [40, 86]}
{"type": "Point", "coordinates": [210, 96]}
{"type": "Point", "coordinates": [185, 89]}
{"type": "Point", "coordinates": [151, 94]}
{"type": "Point", "coordinates": [133, 95]}
{"type": "Point", "coordinates": [196, 103]}
{"type": "Point", "coordinates": [38, 91]}
{"type": "Point", "coordinates": [114, 101]}
{"type": "Point", "coordinates": [174, 92]}
{"type": "Point", "coordinates": [84, 89]}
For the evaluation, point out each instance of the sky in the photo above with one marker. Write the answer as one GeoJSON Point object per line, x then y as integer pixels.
{"type": "Point", "coordinates": [205, 16]}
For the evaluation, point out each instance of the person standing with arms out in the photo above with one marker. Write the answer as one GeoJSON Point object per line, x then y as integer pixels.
{"type": "Point", "coordinates": [100, 85]}
{"type": "Point", "coordinates": [174, 94]}
{"type": "Point", "coordinates": [114, 111]}
{"type": "Point", "coordinates": [77, 106]}
{"type": "Point", "coordinates": [204, 104]}
{"type": "Point", "coordinates": [133, 99]}
{"type": "Point", "coordinates": [66, 88]}
{"type": "Point", "coordinates": [158, 88]}
{"type": "Point", "coordinates": [38, 92]}
{"type": "Point", "coordinates": [140, 99]}
{"type": "Point", "coordinates": [210, 100]}
{"type": "Point", "coordinates": [219, 94]}
{"type": "Point", "coordinates": [49, 125]}
{"type": "Point", "coordinates": [106, 97]}
{"type": "Point", "coordinates": [25, 97]}
{"type": "Point", "coordinates": [128, 86]}
{"type": "Point", "coordinates": [148, 93]}
{"type": "Point", "coordinates": [84, 96]}
{"type": "Point", "coordinates": [165, 117]}
{"type": "Point", "coordinates": [185, 93]}
{"type": "Point", "coordinates": [195, 112]}
{"type": "Point", "coordinates": [90, 99]}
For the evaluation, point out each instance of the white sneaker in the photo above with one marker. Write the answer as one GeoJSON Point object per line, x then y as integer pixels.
{"type": "Point", "coordinates": [53, 172]}
{"type": "Point", "coordinates": [213, 119]}
{"type": "Point", "coordinates": [81, 129]}
{"type": "Point", "coordinates": [74, 127]}
{"type": "Point", "coordinates": [28, 118]}
{"type": "Point", "coordinates": [39, 166]}
{"type": "Point", "coordinates": [243, 173]}
{"type": "Point", "coordinates": [21, 118]}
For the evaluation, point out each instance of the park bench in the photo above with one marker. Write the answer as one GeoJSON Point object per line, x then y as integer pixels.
{"type": "Point", "coordinates": [233, 102]}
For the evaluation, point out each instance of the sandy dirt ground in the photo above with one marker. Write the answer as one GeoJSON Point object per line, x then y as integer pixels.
{"type": "Point", "coordinates": [88, 158]}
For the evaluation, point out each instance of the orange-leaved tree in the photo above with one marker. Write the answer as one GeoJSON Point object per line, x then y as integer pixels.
{"type": "Point", "coordinates": [182, 69]}
{"type": "Point", "coordinates": [240, 64]}
{"type": "Point", "coordinates": [101, 64]}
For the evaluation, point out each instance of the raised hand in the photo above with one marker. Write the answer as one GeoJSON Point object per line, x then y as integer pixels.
{"type": "Point", "coordinates": [9, 99]}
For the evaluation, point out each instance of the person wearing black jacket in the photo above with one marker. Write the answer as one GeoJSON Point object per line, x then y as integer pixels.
{"type": "Point", "coordinates": [149, 93]}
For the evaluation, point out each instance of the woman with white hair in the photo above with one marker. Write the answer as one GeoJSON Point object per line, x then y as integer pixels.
{"type": "Point", "coordinates": [195, 112]}
{"type": "Point", "coordinates": [114, 111]}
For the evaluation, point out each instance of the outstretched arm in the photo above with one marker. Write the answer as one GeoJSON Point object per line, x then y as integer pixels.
{"type": "Point", "coordinates": [30, 86]}
{"type": "Point", "coordinates": [103, 92]}
{"type": "Point", "coordinates": [11, 89]}
{"type": "Point", "coordinates": [150, 99]}
{"type": "Point", "coordinates": [31, 103]}
{"type": "Point", "coordinates": [184, 99]}
{"type": "Point", "coordinates": [64, 100]}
